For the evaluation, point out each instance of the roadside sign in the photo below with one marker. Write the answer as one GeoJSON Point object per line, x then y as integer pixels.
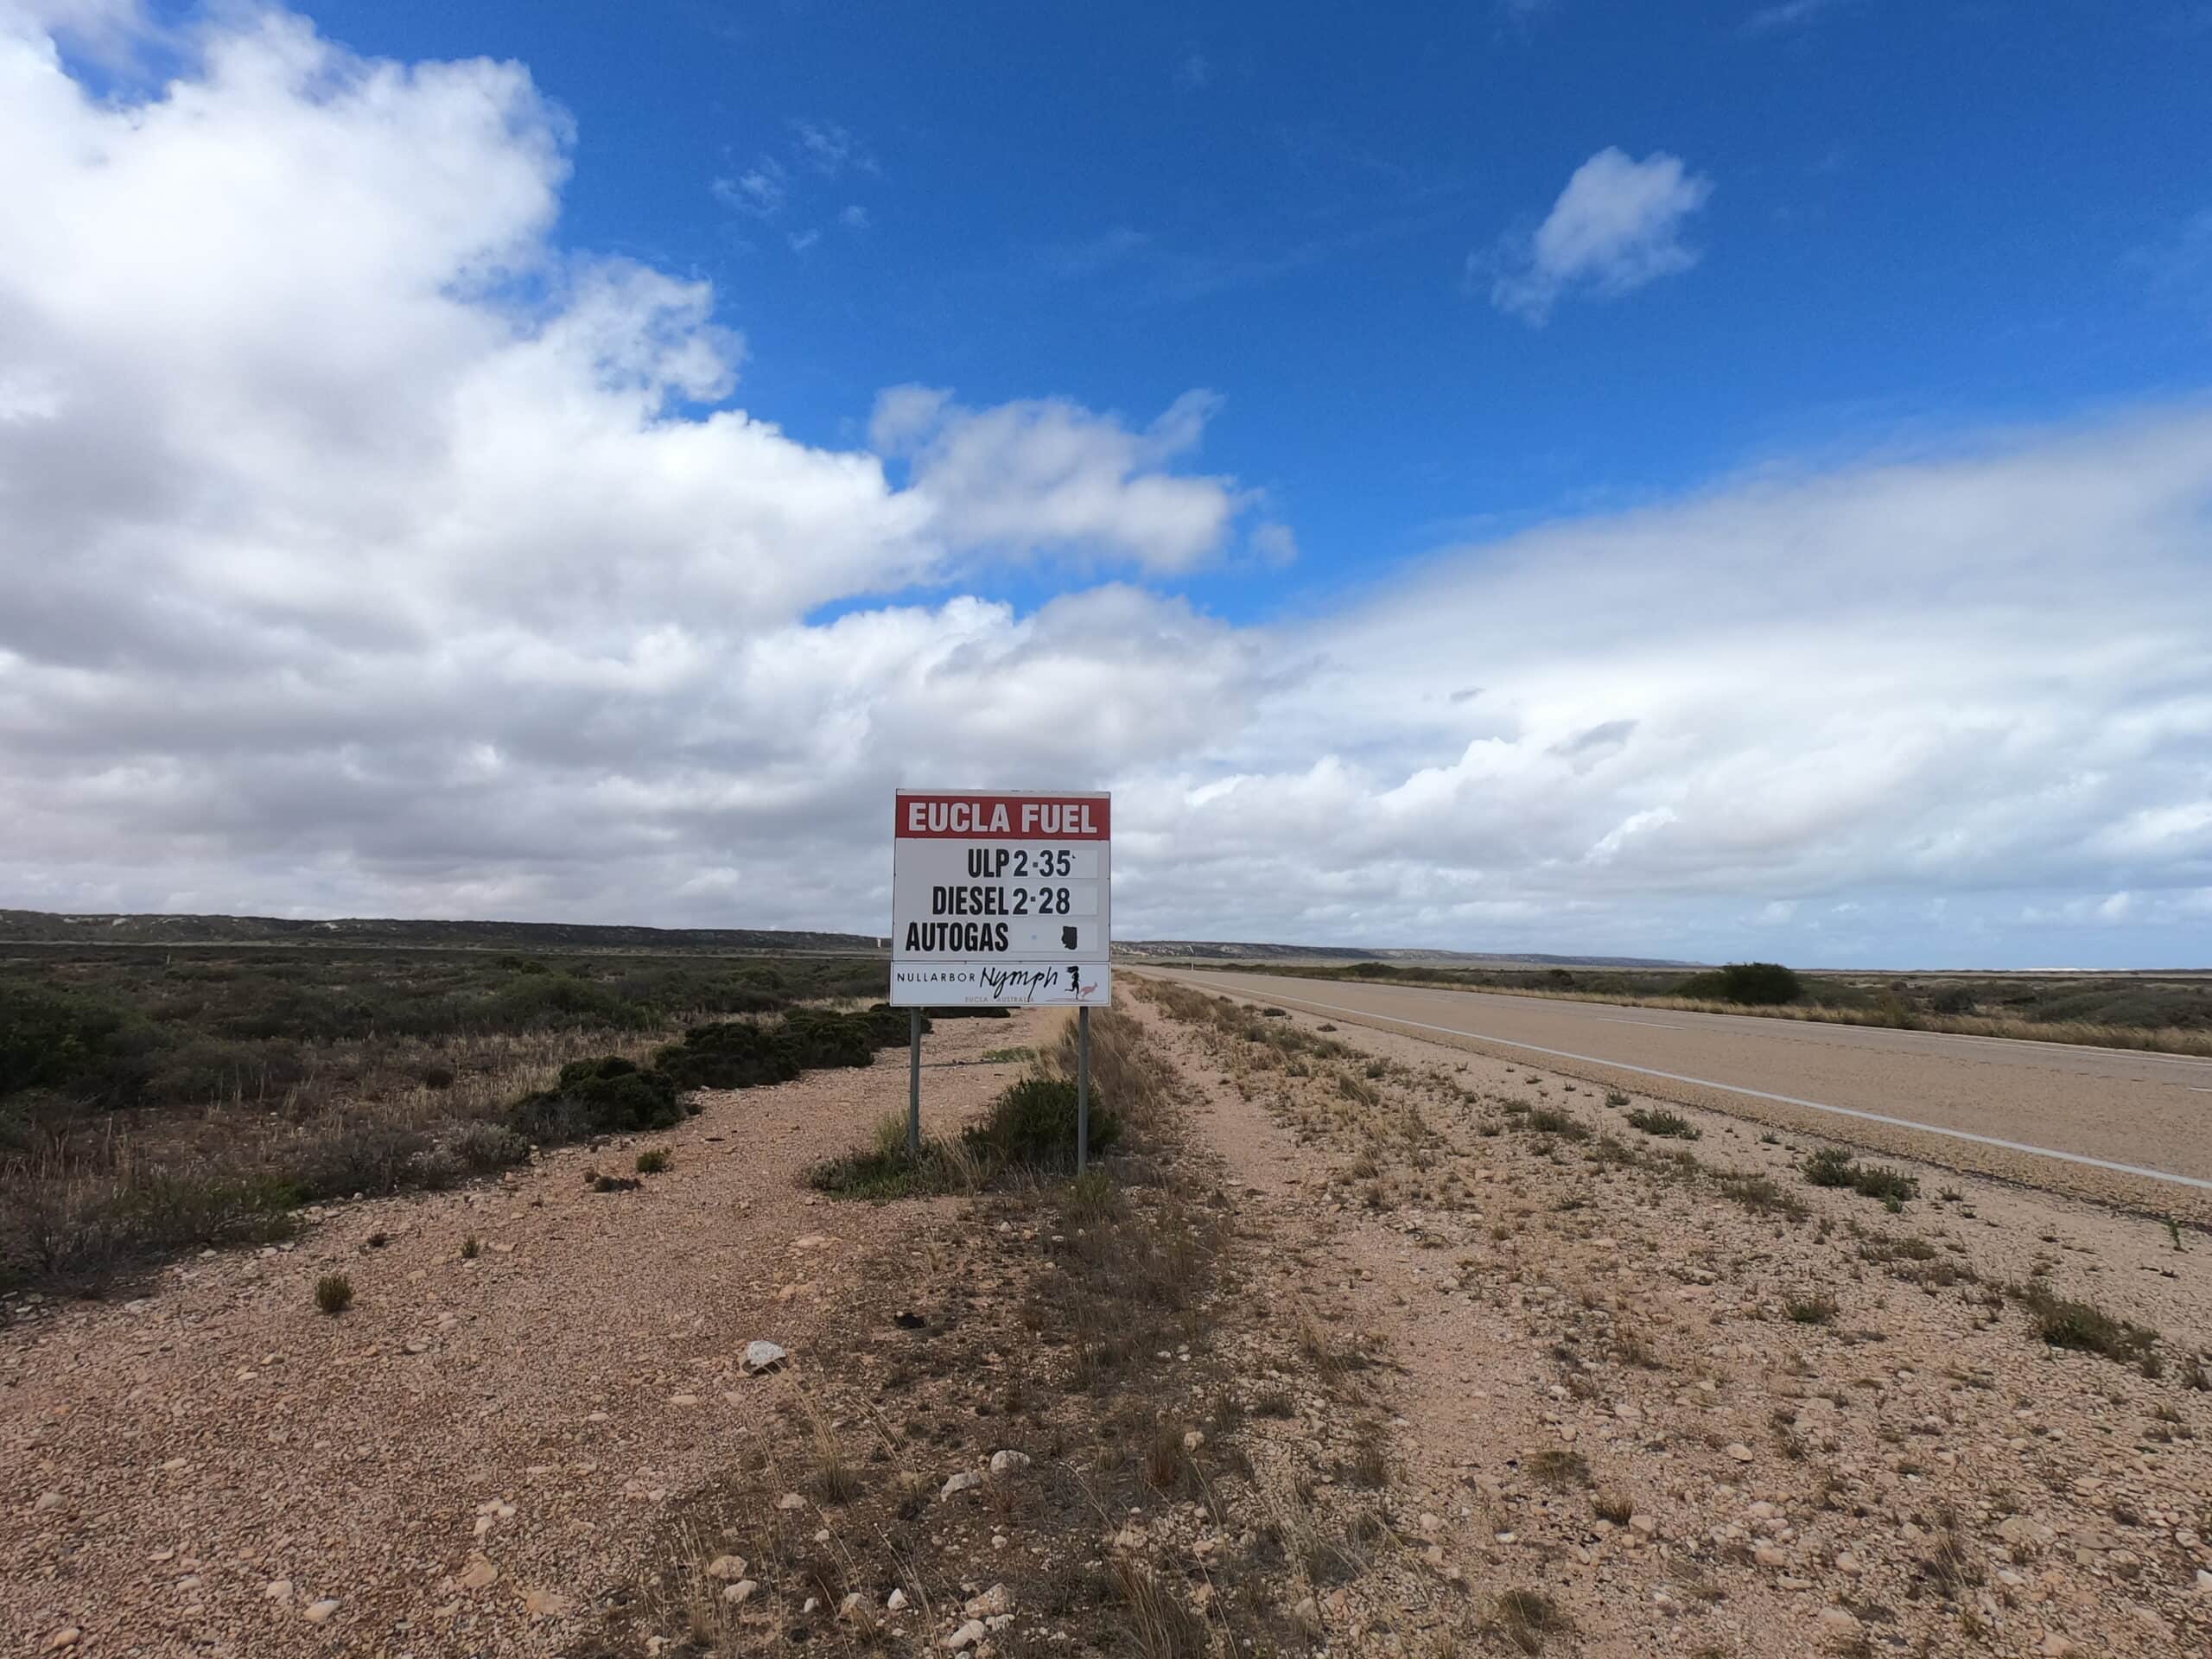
{"type": "Point", "coordinates": [1001, 897]}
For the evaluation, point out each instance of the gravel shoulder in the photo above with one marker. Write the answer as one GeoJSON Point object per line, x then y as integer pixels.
{"type": "Point", "coordinates": [2124, 1106]}
{"type": "Point", "coordinates": [1683, 1422]}
{"type": "Point", "coordinates": [461, 1461]}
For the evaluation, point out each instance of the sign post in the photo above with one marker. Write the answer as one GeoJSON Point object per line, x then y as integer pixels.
{"type": "Point", "coordinates": [1081, 1089]}
{"type": "Point", "coordinates": [1001, 898]}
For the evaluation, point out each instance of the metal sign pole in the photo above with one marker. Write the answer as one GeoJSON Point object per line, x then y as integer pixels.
{"type": "Point", "coordinates": [1081, 1089]}
{"type": "Point", "coordinates": [914, 1084]}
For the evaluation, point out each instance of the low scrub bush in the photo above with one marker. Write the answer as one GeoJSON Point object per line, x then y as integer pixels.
{"type": "Point", "coordinates": [608, 1095]}
{"type": "Point", "coordinates": [1544, 1120]}
{"type": "Point", "coordinates": [334, 1293]}
{"type": "Point", "coordinates": [1754, 984]}
{"type": "Point", "coordinates": [2081, 1326]}
{"type": "Point", "coordinates": [653, 1161]}
{"type": "Point", "coordinates": [1669, 1125]}
{"type": "Point", "coordinates": [1833, 1166]}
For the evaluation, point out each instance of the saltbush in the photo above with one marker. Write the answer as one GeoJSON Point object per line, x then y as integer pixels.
{"type": "Point", "coordinates": [608, 1095]}
{"type": "Point", "coordinates": [1753, 984]}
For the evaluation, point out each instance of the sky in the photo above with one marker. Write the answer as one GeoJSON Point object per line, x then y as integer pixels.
{"type": "Point", "coordinates": [1712, 481]}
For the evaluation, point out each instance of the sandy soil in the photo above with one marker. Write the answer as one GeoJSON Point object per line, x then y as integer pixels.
{"type": "Point", "coordinates": [1919, 1472]}
{"type": "Point", "coordinates": [2145, 1109]}
{"type": "Point", "coordinates": [461, 1461]}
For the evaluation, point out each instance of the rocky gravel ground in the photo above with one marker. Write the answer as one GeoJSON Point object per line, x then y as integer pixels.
{"type": "Point", "coordinates": [461, 1460]}
{"type": "Point", "coordinates": [1360, 1345]}
{"type": "Point", "coordinates": [1643, 1405]}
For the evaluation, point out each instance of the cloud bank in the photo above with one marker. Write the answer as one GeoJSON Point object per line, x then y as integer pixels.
{"type": "Point", "coordinates": [366, 551]}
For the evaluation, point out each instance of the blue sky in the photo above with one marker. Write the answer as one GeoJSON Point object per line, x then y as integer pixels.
{"type": "Point", "coordinates": [1696, 481]}
{"type": "Point", "coordinates": [1922, 214]}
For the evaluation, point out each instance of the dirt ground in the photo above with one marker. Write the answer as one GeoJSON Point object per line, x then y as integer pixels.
{"type": "Point", "coordinates": [1460, 1375]}
{"type": "Point", "coordinates": [463, 1457]}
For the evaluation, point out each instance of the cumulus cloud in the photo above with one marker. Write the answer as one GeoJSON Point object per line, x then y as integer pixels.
{"type": "Point", "coordinates": [1617, 225]}
{"type": "Point", "coordinates": [367, 552]}
{"type": "Point", "coordinates": [1050, 473]}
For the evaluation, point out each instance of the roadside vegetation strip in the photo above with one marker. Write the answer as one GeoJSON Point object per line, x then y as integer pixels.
{"type": "Point", "coordinates": [1477, 1039]}
{"type": "Point", "coordinates": [1048, 1423]}
{"type": "Point", "coordinates": [2154, 1008]}
{"type": "Point", "coordinates": [151, 1105]}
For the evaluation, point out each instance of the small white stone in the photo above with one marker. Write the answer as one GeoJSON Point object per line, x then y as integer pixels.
{"type": "Point", "coordinates": [762, 1357]}
{"type": "Point", "coordinates": [895, 1602]}
{"type": "Point", "coordinates": [966, 1480]}
{"type": "Point", "coordinates": [966, 1637]}
{"type": "Point", "coordinates": [737, 1594]}
{"type": "Point", "coordinates": [1006, 1463]}
{"type": "Point", "coordinates": [321, 1612]}
{"type": "Point", "coordinates": [726, 1567]}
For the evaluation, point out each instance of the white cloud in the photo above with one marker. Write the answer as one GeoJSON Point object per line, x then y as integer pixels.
{"type": "Point", "coordinates": [761, 190]}
{"type": "Point", "coordinates": [1617, 225]}
{"type": "Point", "coordinates": [854, 217]}
{"type": "Point", "coordinates": [1193, 72]}
{"type": "Point", "coordinates": [365, 553]}
{"type": "Point", "coordinates": [829, 149]}
{"type": "Point", "coordinates": [1049, 473]}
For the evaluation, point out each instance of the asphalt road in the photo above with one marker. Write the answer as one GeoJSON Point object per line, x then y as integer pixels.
{"type": "Point", "coordinates": [2034, 1109]}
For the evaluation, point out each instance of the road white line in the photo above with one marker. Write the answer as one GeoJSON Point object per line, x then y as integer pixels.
{"type": "Point", "coordinates": [1656, 1025]}
{"type": "Point", "coordinates": [1761, 1093]}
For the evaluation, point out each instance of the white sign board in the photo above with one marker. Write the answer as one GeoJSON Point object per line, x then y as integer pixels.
{"type": "Point", "coordinates": [1001, 899]}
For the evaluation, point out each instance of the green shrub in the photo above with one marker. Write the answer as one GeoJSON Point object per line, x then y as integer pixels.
{"type": "Point", "coordinates": [729, 1054]}
{"type": "Point", "coordinates": [1833, 1166]}
{"type": "Point", "coordinates": [537, 1001]}
{"type": "Point", "coordinates": [334, 1293]}
{"type": "Point", "coordinates": [653, 1161]}
{"type": "Point", "coordinates": [1667, 1125]}
{"type": "Point", "coordinates": [1544, 1120]}
{"type": "Point", "coordinates": [52, 1039]}
{"type": "Point", "coordinates": [1033, 1123]}
{"type": "Point", "coordinates": [1754, 984]}
{"type": "Point", "coordinates": [608, 1095]}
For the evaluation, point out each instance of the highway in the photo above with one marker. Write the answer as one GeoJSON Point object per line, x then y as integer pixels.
{"type": "Point", "coordinates": [2029, 1111]}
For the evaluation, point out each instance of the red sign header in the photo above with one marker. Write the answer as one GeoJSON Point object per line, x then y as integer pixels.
{"type": "Point", "coordinates": [1002, 818]}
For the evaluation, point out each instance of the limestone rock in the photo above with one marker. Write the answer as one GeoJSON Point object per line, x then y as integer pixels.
{"type": "Point", "coordinates": [760, 1357]}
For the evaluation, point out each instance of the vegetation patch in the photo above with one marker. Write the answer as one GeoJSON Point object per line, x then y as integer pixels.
{"type": "Point", "coordinates": [2088, 1329]}
{"type": "Point", "coordinates": [1833, 1166]}
{"type": "Point", "coordinates": [1666, 1125]}
{"type": "Point", "coordinates": [1752, 984]}
{"type": "Point", "coordinates": [608, 1095]}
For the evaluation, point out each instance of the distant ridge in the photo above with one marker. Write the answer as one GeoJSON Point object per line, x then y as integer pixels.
{"type": "Point", "coordinates": [1222, 950]}
{"type": "Point", "coordinates": [43, 927]}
